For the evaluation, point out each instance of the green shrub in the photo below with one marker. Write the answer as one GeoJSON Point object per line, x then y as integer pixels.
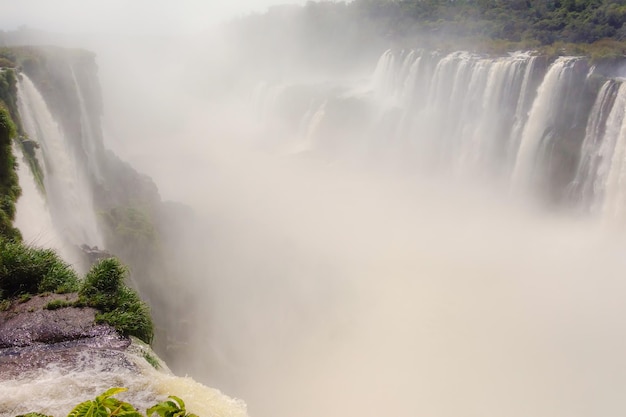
{"type": "Point", "coordinates": [60, 279]}
{"type": "Point", "coordinates": [5, 63]}
{"type": "Point", "coordinates": [120, 306]}
{"type": "Point", "coordinates": [56, 304]}
{"type": "Point", "coordinates": [25, 269]}
{"type": "Point", "coordinates": [104, 278]}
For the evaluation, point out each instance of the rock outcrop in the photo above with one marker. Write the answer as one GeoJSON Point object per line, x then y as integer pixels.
{"type": "Point", "coordinates": [33, 336]}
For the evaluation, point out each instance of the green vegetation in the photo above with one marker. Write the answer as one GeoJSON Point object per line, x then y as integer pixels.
{"type": "Point", "coordinates": [491, 26]}
{"type": "Point", "coordinates": [56, 304]}
{"type": "Point", "coordinates": [120, 306]}
{"type": "Point", "coordinates": [8, 94]}
{"type": "Point", "coordinates": [104, 405]}
{"type": "Point", "coordinates": [25, 297]}
{"type": "Point", "coordinates": [34, 415]}
{"type": "Point", "coordinates": [174, 407]}
{"type": "Point", "coordinates": [130, 230]}
{"type": "Point", "coordinates": [8, 101]}
{"type": "Point", "coordinates": [9, 185]}
{"type": "Point", "coordinates": [529, 22]}
{"type": "Point", "coordinates": [542, 21]}
{"type": "Point", "coordinates": [152, 360]}
{"type": "Point", "coordinates": [28, 270]}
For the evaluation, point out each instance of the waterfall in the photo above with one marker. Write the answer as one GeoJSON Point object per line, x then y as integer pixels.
{"type": "Point", "coordinates": [598, 146]}
{"type": "Point", "coordinates": [69, 196]}
{"type": "Point", "coordinates": [33, 215]}
{"type": "Point", "coordinates": [459, 110]}
{"type": "Point", "coordinates": [384, 75]}
{"type": "Point", "coordinates": [309, 126]}
{"type": "Point", "coordinates": [521, 109]}
{"type": "Point", "coordinates": [65, 219]}
{"type": "Point", "coordinates": [613, 165]}
{"type": "Point", "coordinates": [508, 119]}
{"type": "Point", "coordinates": [476, 285]}
{"type": "Point", "coordinates": [88, 133]}
{"type": "Point", "coordinates": [540, 127]}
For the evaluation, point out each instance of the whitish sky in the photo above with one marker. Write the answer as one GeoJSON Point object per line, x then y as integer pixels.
{"type": "Point", "coordinates": [125, 16]}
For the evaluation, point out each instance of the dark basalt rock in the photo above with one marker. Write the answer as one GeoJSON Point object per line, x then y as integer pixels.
{"type": "Point", "coordinates": [33, 337]}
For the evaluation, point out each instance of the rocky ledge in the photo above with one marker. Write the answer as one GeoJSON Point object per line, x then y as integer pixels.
{"type": "Point", "coordinates": [32, 336]}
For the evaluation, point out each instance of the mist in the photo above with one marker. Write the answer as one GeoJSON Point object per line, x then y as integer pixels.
{"type": "Point", "coordinates": [325, 272]}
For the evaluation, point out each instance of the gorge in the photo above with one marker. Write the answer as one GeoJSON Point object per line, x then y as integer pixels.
{"type": "Point", "coordinates": [430, 232]}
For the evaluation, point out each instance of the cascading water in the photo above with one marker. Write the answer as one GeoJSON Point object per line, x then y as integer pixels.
{"type": "Point", "coordinates": [63, 220]}
{"type": "Point", "coordinates": [56, 389]}
{"type": "Point", "coordinates": [540, 128]}
{"type": "Point", "coordinates": [67, 187]}
{"type": "Point", "coordinates": [33, 215]}
{"type": "Point", "coordinates": [521, 109]}
{"type": "Point", "coordinates": [371, 292]}
{"type": "Point", "coordinates": [599, 145]}
{"type": "Point", "coordinates": [460, 110]}
{"type": "Point", "coordinates": [505, 119]}
{"type": "Point", "coordinates": [613, 167]}
{"type": "Point", "coordinates": [88, 134]}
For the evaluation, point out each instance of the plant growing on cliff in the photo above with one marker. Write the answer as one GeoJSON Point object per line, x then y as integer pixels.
{"type": "Point", "coordinates": [9, 185]}
{"type": "Point", "coordinates": [104, 405]}
{"type": "Point", "coordinates": [120, 306]}
{"type": "Point", "coordinates": [28, 270]}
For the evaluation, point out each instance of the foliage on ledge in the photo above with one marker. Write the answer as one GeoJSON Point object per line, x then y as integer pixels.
{"type": "Point", "coordinates": [25, 270]}
{"type": "Point", "coordinates": [29, 270]}
{"type": "Point", "coordinates": [104, 405]}
{"type": "Point", "coordinates": [120, 306]}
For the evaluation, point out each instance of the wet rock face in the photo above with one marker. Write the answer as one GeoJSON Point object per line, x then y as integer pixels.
{"type": "Point", "coordinates": [33, 337]}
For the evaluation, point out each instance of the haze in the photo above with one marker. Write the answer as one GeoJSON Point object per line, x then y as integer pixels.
{"type": "Point", "coordinates": [326, 272]}
{"type": "Point", "coordinates": [125, 17]}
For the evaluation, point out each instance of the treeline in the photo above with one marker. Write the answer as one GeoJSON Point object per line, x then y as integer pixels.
{"type": "Point", "coordinates": [338, 34]}
{"type": "Point", "coordinates": [540, 22]}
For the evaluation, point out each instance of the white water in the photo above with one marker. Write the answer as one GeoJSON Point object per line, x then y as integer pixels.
{"type": "Point", "coordinates": [88, 135]}
{"type": "Point", "coordinates": [541, 120]}
{"type": "Point", "coordinates": [614, 164]}
{"type": "Point", "coordinates": [55, 390]}
{"type": "Point", "coordinates": [460, 111]}
{"type": "Point", "coordinates": [598, 146]}
{"type": "Point", "coordinates": [66, 183]}
{"type": "Point", "coordinates": [33, 216]}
